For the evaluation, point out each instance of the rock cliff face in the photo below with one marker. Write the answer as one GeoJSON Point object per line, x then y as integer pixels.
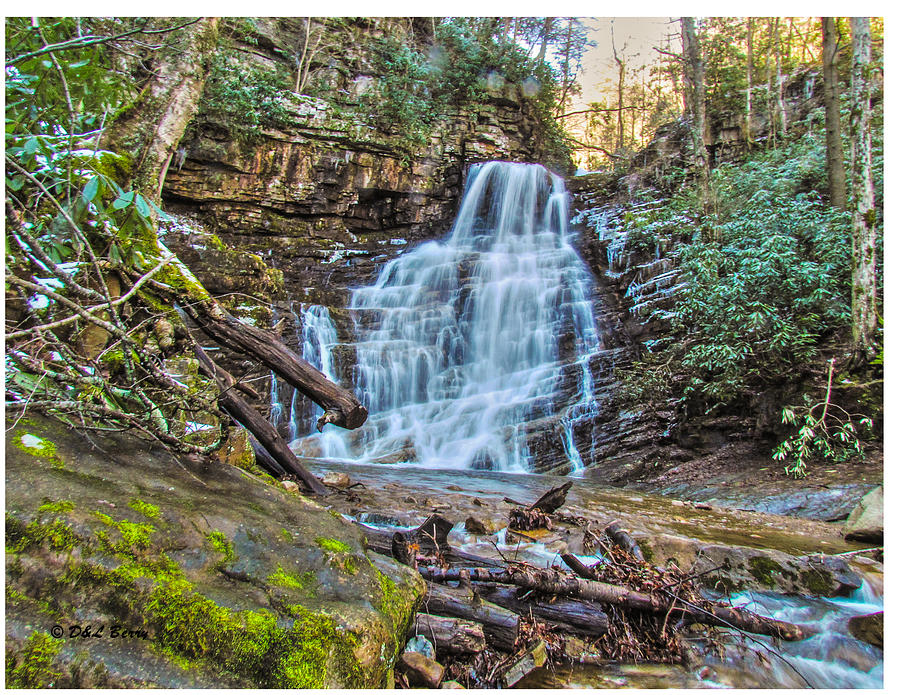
{"type": "Point", "coordinates": [328, 198]}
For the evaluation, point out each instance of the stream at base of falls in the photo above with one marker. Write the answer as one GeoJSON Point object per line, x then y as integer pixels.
{"type": "Point", "coordinates": [404, 496]}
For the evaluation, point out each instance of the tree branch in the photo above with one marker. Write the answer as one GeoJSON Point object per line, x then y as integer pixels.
{"type": "Point", "coordinates": [84, 41]}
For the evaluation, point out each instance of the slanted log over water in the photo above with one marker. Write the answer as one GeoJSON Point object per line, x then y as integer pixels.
{"type": "Point", "coordinates": [341, 406]}
{"type": "Point", "coordinates": [551, 582]}
{"type": "Point", "coordinates": [258, 426]}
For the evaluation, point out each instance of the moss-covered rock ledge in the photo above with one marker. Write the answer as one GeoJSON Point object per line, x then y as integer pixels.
{"type": "Point", "coordinates": [198, 574]}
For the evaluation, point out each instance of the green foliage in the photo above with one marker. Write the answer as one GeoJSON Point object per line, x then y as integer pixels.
{"type": "Point", "coordinates": [401, 100]}
{"type": "Point", "coordinates": [823, 430]}
{"type": "Point", "coordinates": [246, 99]}
{"type": "Point", "coordinates": [765, 281]}
{"type": "Point", "coordinates": [465, 66]}
{"type": "Point", "coordinates": [79, 236]}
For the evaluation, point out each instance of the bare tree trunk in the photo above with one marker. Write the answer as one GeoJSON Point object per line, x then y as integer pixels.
{"type": "Point", "coordinates": [545, 36]}
{"type": "Point", "coordinates": [770, 83]}
{"type": "Point", "coordinates": [834, 149]}
{"type": "Point", "coordinates": [152, 128]}
{"type": "Point", "coordinates": [780, 115]}
{"type": "Point", "coordinates": [695, 92]}
{"type": "Point", "coordinates": [748, 115]}
{"type": "Point", "coordinates": [620, 90]}
{"type": "Point", "coordinates": [863, 303]}
{"type": "Point", "coordinates": [568, 80]}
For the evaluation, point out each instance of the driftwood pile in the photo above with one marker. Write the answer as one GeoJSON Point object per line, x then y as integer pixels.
{"type": "Point", "coordinates": [491, 622]}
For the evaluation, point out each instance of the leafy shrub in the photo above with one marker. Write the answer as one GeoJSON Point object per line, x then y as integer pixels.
{"type": "Point", "coordinates": [245, 98]}
{"type": "Point", "coordinates": [760, 298]}
{"type": "Point", "coordinates": [823, 430]}
{"type": "Point", "coordinates": [766, 280]}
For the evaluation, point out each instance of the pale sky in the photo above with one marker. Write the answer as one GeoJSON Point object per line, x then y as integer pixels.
{"type": "Point", "coordinates": [637, 35]}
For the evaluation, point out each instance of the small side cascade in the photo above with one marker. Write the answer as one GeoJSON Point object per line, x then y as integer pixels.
{"type": "Point", "coordinates": [316, 338]}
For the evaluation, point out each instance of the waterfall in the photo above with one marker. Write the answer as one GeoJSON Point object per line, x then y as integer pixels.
{"type": "Point", "coordinates": [462, 341]}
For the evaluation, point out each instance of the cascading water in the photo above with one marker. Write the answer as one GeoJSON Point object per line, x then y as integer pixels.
{"type": "Point", "coordinates": [461, 341]}
{"type": "Point", "coordinates": [316, 337]}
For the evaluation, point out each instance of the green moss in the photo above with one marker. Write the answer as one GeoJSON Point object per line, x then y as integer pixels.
{"type": "Point", "coordinates": [286, 535]}
{"type": "Point", "coordinates": [56, 534]}
{"type": "Point", "coordinates": [134, 535]}
{"type": "Point", "coordinates": [339, 555]}
{"type": "Point", "coordinates": [764, 569]}
{"type": "Point", "coordinates": [31, 667]}
{"type": "Point", "coordinates": [307, 665]}
{"type": "Point", "coordinates": [817, 581]}
{"type": "Point", "coordinates": [218, 541]}
{"type": "Point", "coordinates": [151, 511]}
{"type": "Point", "coordinates": [38, 446]}
{"type": "Point", "coordinates": [332, 545]}
{"type": "Point", "coordinates": [59, 507]}
{"type": "Point", "coordinates": [306, 582]}
{"type": "Point", "coordinates": [17, 598]}
{"type": "Point", "coordinates": [393, 604]}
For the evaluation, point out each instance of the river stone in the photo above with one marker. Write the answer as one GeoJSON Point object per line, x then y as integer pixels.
{"type": "Point", "coordinates": [868, 628]}
{"type": "Point", "coordinates": [227, 581]}
{"type": "Point", "coordinates": [731, 568]}
{"type": "Point", "coordinates": [336, 479]}
{"type": "Point", "coordinates": [484, 527]}
{"type": "Point", "coordinates": [420, 670]}
{"type": "Point", "coordinates": [866, 521]}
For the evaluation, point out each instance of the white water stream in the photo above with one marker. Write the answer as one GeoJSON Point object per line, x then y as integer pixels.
{"type": "Point", "coordinates": [460, 341]}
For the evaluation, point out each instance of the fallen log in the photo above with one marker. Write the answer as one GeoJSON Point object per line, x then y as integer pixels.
{"type": "Point", "coordinates": [553, 499]}
{"type": "Point", "coordinates": [256, 424]}
{"type": "Point", "coordinates": [501, 626]}
{"type": "Point", "coordinates": [449, 635]}
{"type": "Point", "coordinates": [569, 615]}
{"type": "Point", "coordinates": [341, 406]}
{"type": "Point", "coordinates": [265, 460]}
{"type": "Point", "coordinates": [618, 535]}
{"type": "Point", "coordinates": [578, 567]}
{"type": "Point", "coordinates": [381, 542]}
{"type": "Point", "coordinates": [552, 582]}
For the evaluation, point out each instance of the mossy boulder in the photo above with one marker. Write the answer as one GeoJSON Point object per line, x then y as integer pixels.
{"type": "Point", "coordinates": [208, 576]}
{"type": "Point", "coordinates": [730, 568]}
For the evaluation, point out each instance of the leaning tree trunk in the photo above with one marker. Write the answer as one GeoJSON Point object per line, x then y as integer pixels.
{"type": "Point", "coordinates": [152, 127]}
{"type": "Point", "coordinates": [834, 149]}
{"type": "Point", "coordinates": [863, 310]}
